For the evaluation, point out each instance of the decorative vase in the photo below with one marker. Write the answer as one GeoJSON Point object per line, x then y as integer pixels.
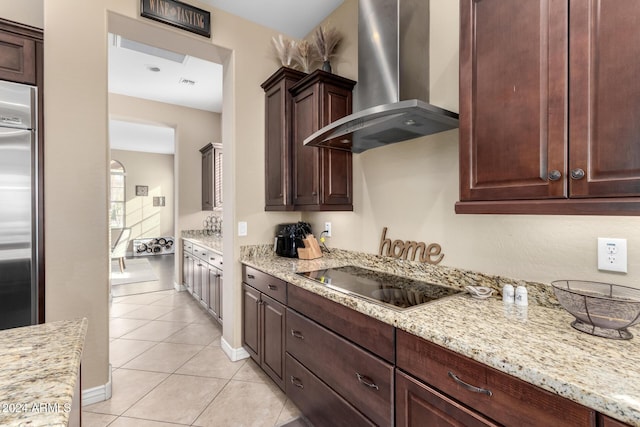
{"type": "Point", "coordinates": [326, 66]}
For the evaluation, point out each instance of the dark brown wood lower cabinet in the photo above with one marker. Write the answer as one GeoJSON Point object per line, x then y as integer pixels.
{"type": "Point", "coordinates": [321, 405]}
{"type": "Point", "coordinates": [420, 405]}
{"type": "Point", "coordinates": [273, 330]}
{"type": "Point", "coordinates": [263, 331]}
{"type": "Point", "coordinates": [250, 321]}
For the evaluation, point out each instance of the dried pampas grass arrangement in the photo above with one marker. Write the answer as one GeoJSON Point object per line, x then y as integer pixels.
{"type": "Point", "coordinates": [304, 55]}
{"type": "Point", "coordinates": [326, 41]}
{"type": "Point", "coordinates": [285, 50]}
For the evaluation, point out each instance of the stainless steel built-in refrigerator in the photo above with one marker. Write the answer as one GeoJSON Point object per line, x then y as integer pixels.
{"type": "Point", "coordinates": [18, 206]}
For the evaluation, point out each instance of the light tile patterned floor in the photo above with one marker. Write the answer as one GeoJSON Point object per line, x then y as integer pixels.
{"type": "Point", "coordinates": [169, 369]}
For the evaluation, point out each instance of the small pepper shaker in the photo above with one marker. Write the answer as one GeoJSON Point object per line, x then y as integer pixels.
{"type": "Point", "coordinates": [508, 295]}
{"type": "Point", "coordinates": [521, 296]}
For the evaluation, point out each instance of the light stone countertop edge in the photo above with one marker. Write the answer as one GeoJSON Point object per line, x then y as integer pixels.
{"type": "Point", "coordinates": [39, 368]}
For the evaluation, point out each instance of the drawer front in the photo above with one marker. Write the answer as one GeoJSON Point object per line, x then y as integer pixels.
{"type": "Point", "coordinates": [187, 246]}
{"type": "Point", "coordinates": [214, 259]}
{"type": "Point", "coordinates": [363, 379]}
{"type": "Point", "coordinates": [321, 405]}
{"type": "Point", "coordinates": [265, 283]}
{"type": "Point", "coordinates": [372, 334]}
{"type": "Point", "coordinates": [511, 400]}
{"type": "Point", "coordinates": [419, 405]}
{"type": "Point", "coordinates": [200, 252]}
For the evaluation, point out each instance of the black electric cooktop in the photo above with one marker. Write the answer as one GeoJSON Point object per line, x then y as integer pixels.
{"type": "Point", "coordinates": [391, 290]}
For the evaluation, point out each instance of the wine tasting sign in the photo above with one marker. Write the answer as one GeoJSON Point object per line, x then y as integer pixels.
{"type": "Point", "coordinates": [178, 14]}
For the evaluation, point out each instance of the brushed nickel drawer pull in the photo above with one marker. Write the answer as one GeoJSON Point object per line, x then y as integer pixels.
{"type": "Point", "coordinates": [251, 276]}
{"type": "Point", "coordinates": [296, 382]}
{"type": "Point", "coordinates": [297, 334]}
{"type": "Point", "coordinates": [367, 381]}
{"type": "Point", "coordinates": [469, 386]}
{"type": "Point", "coordinates": [272, 287]}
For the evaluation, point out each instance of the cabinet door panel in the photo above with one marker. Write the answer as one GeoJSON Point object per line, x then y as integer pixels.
{"type": "Point", "coordinates": [17, 59]}
{"type": "Point", "coordinates": [336, 164]}
{"type": "Point", "coordinates": [306, 173]}
{"type": "Point", "coordinates": [277, 148]}
{"type": "Point", "coordinates": [273, 339]}
{"type": "Point", "coordinates": [337, 179]}
{"type": "Point", "coordinates": [605, 97]}
{"type": "Point", "coordinates": [207, 178]}
{"type": "Point", "coordinates": [420, 405]}
{"type": "Point", "coordinates": [513, 112]}
{"type": "Point", "coordinates": [251, 319]}
{"type": "Point", "coordinates": [278, 134]}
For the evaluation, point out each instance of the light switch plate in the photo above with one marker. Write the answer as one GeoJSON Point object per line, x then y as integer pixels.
{"type": "Point", "coordinates": [612, 254]}
{"type": "Point", "coordinates": [242, 228]}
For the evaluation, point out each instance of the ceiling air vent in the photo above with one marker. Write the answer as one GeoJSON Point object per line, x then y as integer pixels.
{"type": "Point", "coordinates": [187, 82]}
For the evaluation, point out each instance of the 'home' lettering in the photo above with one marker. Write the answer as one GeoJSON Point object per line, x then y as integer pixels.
{"type": "Point", "coordinates": [431, 254]}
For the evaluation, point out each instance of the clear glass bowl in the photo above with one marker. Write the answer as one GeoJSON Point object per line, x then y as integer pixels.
{"type": "Point", "coordinates": [601, 309]}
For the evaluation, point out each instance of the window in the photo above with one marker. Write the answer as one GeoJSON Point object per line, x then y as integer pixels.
{"type": "Point", "coordinates": [117, 205]}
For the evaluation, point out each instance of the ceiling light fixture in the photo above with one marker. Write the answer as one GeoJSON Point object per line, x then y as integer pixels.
{"type": "Point", "coordinates": [153, 68]}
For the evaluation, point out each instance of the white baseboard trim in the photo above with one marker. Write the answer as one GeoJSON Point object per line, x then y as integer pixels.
{"type": "Point", "coordinates": [234, 354]}
{"type": "Point", "coordinates": [98, 394]}
{"type": "Point", "coordinates": [179, 288]}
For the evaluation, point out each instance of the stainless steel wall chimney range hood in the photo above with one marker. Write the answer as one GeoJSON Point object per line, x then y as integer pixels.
{"type": "Point", "coordinates": [391, 97]}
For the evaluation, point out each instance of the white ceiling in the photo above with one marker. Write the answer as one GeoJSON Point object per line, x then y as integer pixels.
{"type": "Point", "coordinates": [189, 81]}
{"type": "Point", "coordinates": [295, 18]}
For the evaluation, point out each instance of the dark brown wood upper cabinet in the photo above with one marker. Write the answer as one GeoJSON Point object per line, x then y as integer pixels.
{"type": "Point", "coordinates": [604, 103]}
{"type": "Point", "coordinates": [548, 107]}
{"type": "Point", "coordinates": [211, 177]}
{"type": "Point", "coordinates": [278, 134]}
{"type": "Point", "coordinates": [322, 178]}
{"type": "Point", "coordinates": [18, 58]}
{"type": "Point", "coordinates": [300, 177]}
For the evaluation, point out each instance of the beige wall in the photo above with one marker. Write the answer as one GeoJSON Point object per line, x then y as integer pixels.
{"type": "Point", "coordinates": [193, 130]}
{"type": "Point", "coordinates": [155, 171]}
{"type": "Point", "coordinates": [77, 157]}
{"type": "Point", "coordinates": [411, 187]}
{"type": "Point", "coordinates": [29, 12]}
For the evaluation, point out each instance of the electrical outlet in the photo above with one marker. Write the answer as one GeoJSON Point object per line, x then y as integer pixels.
{"type": "Point", "coordinates": [327, 229]}
{"type": "Point", "coordinates": [612, 254]}
{"type": "Point", "coordinates": [242, 228]}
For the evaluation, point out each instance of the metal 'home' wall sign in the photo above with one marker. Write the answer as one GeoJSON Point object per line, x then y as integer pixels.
{"type": "Point", "coordinates": [178, 14]}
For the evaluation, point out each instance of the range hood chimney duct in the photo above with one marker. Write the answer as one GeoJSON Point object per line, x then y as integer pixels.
{"type": "Point", "coordinates": [391, 98]}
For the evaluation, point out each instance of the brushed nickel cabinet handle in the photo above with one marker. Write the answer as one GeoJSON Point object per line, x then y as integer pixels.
{"type": "Point", "coordinates": [577, 173]}
{"type": "Point", "coordinates": [366, 381]}
{"type": "Point", "coordinates": [296, 382]}
{"type": "Point", "coordinates": [469, 386]}
{"type": "Point", "coordinates": [251, 276]}
{"type": "Point", "coordinates": [555, 175]}
{"type": "Point", "coordinates": [297, 334]}
{"type": "Point", "coordinates": [272, 287]}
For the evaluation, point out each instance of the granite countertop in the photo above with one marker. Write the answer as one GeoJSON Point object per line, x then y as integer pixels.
{"type": "Point", "coordinates": [39, 368]}
{"type": "Point", "coordinates": [210, 242]}
{"type": "Point", "coordinates": [534, 343]}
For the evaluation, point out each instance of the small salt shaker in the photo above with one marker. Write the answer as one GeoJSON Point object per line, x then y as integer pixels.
{"type": "Point", "coordinates": [508, 295]}
{"type": "Point", "coordinates": [521, 296]}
